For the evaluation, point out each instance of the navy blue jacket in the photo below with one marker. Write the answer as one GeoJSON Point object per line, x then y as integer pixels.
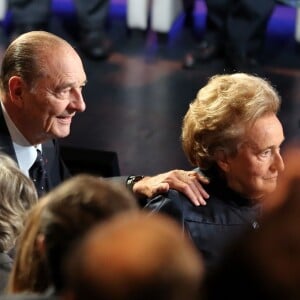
{"type": "Point", "coordinates": [212, 227]}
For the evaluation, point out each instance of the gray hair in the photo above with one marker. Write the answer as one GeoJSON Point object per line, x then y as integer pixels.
{"type": "Point", "coordinates": [17, 196]}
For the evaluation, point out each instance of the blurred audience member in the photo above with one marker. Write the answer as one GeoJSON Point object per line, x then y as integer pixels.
{"type": "Point", "coordinates": [291, 155]}
{"type": "Point", "coordinates": [3, 37]}
{"type": "Point", "coordinates": [265, 264]}
{"type": "Point", "coordinates": [232, 133]}
{"type": "Point", "coordinates": [60, 218]}
{"type": "Point", "coordinates": [26, 296]}
{"type": "Point", "coordinates": [234, 29]}
{"type": "Point", "coordinates": [29, 271]}
{"type": "Point", "coordinates": [7, 161]}
{"type": "Point", "coordinates": [30, 15]}
{"type": "Point", "coordinates": [17, 196]}
{"type": "Point", "coordinates": [189, 6]}
{"type": "Point", "coordinates": [134, 257]}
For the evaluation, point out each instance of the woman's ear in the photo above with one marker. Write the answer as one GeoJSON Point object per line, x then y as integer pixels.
{"type": "Point", "coordinates": [221, 158]}
{"type": "Point", "coordinates": [16, 88]}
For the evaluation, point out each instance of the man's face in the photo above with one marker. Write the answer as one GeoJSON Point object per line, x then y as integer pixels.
{"type": "Point", "coordinates": [253, 171]}
{"type": "Point", "coordinates": [55, 98]}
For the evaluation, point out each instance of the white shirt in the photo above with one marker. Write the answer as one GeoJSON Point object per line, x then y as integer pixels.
{"type": "Point", "coordinates": [25, 152]}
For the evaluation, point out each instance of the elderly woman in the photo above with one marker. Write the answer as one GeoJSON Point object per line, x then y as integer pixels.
{"type": "Point", "coordinates": [231, 132]}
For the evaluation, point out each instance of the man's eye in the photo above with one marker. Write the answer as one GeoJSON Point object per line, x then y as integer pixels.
{"type": "Point", "coordinates": [63, 93]}
{"type": "Point", "coordinates": [266, 153]}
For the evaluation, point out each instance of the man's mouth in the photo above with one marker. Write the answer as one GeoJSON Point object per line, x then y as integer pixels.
{"type": "Point", "coordinates": [271, 178]}
{"type": "Point", "coordinates": [65, 119]}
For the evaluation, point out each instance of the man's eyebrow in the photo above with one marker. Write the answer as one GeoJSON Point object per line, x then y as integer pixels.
{"type": "Point", "coordinates": [275, 146]}
{"type": "Point", "coordinates": [68, 84]}
{"type": "Point", "coordinates": [64, 86]}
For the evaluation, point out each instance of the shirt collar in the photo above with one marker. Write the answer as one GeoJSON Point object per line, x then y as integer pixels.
{"type": "Point", "coordinates": [25, 152]}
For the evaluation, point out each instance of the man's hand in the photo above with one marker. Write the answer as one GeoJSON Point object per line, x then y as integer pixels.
{"type": "Point", "coordinates": [186, 182]}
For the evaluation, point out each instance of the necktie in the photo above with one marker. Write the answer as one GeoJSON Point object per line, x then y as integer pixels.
{"type": "Point", "coordinates": [38, 174]}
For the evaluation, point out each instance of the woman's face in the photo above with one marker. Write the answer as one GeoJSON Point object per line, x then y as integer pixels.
{"type": "Point", "coordinates": [253, 171]}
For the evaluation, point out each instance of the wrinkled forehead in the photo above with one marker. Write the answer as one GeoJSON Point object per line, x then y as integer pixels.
{"type": "Point", "coordinates": [266, 131]}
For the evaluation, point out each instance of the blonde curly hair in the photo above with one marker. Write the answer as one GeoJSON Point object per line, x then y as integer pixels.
{"type": "Point", "coordinates": [217, 118]}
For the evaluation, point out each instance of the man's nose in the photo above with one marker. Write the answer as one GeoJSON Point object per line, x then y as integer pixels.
{"type": "Point", "coordinates": [77, 101]}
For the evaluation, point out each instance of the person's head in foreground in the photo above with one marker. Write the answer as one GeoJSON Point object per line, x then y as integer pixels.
{"type": "Point", "coordinates": [232, 126]}
{"type": "Point", "coordinates": [291, 174]}
{"type": "Point", "coordinates": [265, 264]}
{"type": "Point", "coordinates": [134, 256]}
{"type": "Point", "coordinates": [41, 83]}
{"type": "Point", "coordinates": [61, 217]}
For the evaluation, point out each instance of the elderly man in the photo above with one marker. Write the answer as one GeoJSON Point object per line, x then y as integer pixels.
{"type": "Point", "coordinates": [232, 133]}
{"type": "Point", "coordinates": [41, 93]}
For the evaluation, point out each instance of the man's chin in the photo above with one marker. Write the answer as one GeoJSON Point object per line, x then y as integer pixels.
{"type": "Point", "coordinates": [62, 133]}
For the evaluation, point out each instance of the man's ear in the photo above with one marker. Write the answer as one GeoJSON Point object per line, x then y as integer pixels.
{"type": "Point", "coordinates": [222, 160]}
{"type": "Point", "coordinates": [16, 88]}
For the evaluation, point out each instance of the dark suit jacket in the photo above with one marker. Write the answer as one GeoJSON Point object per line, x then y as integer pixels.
{"type": "Point", "coordinates": [56, 169]}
